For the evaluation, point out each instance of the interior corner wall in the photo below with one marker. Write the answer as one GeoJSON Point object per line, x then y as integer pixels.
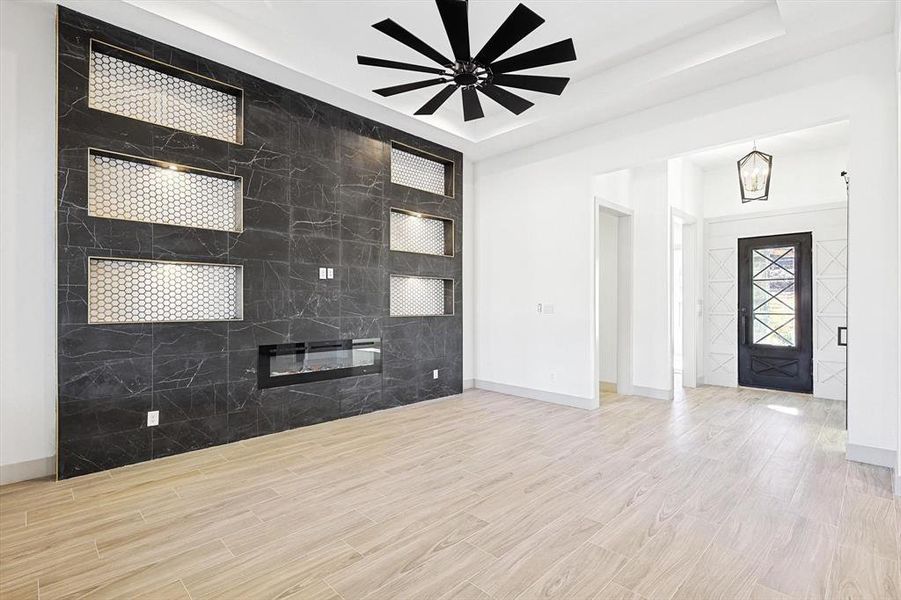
{"type": "Point", "coordinates": [608, 263]}
{"type": "Point", "coordinates": [27, 239]}
{"type": "Point", "coordinates": [469, 206]}
{"type": "Point", "coordinates": [534, 233]}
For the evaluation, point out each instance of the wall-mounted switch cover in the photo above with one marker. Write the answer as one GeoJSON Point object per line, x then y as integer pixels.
{"type": "Point", "coordinates": [323, 273]}
{"type": "Point", "coordinates": [331, 273]}
{"type": "Point", "coordinates": [539, 308]}
{"type": "Point", "coordinates": [435, 374]}
{"type": "Point", "coordinates": [153, 418]}
{"type": "Point", "coordinates": [548, 309]}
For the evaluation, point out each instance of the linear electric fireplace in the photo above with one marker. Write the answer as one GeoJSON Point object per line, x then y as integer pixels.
{"type": "Point", "coordinates": [302, 362]}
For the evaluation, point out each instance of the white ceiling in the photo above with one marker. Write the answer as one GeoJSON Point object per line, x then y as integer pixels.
{"type": "Point", "coordinates": [831, 135]}
{"type": "Point", "coordinates": [632, 54]}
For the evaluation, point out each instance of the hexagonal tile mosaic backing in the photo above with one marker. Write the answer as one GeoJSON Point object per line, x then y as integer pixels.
{"type": "Point", "coordinates": [141, 291]}
{"type": "Point", "coordinates": [416, 171]}
{"type": "Point", "coordinates": [138, 191]}
{"type": "Point", "coordinates": [410, 233]}
{"type": "Point", "coordinates": [132, 90]}
{"type": "Point", "coordinates": [416, 296]}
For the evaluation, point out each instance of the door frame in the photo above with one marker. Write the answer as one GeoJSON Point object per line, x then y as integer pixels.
{"type": "Point", "coordinates": [690, 296]}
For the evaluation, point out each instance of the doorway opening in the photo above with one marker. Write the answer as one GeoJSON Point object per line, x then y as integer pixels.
{"type": "Point", "coordinates": [613, 261]}
{"type": "Point", "coordinates": [677, 304]}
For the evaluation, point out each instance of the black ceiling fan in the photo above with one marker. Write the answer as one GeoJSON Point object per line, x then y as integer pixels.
{"type": "Point", "coordinates": [482, 72]}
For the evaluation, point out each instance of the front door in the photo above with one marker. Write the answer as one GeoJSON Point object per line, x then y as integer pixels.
{"type": "Point", "coordinates": [775, 314]}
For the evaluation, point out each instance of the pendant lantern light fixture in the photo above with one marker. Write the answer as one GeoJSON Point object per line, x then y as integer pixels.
{"type": "Point", "coordinates": [754, 172]}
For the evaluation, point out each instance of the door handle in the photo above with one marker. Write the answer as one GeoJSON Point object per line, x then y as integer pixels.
{"type": "Point", "coordinates": [743, 328]}
{"type": "Point", "coordinates": [842, 336]}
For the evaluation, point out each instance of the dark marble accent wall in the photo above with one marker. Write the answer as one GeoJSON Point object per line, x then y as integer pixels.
{"type": "Point", "coordinates": [317, 192]}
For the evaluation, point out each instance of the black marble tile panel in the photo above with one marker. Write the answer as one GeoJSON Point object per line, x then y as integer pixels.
{"type": "Point", "coordinates": [193, 434]}
{"type": "Point", "coordinates": [81, 343]}
{"type": "Point", "coordinates": [196, 402]}
{"type": "Point", "coordinates": [316, 194]}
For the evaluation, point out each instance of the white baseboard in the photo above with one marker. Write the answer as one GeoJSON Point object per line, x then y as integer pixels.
{"type": "Point", "coordinates": [880, 457]}
{"type": "Point", "coordinates": [469, 384]}
{"type": "Point", "coordinates": [649, 392]}
{"type": "Point", "coordinates": [29, 469]}
{"type": "Point", "coordinates": [553, 397]}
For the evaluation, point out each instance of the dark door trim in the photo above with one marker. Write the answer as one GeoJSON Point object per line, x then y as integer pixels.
{"type": "Point", "coordinates": [786, 367]}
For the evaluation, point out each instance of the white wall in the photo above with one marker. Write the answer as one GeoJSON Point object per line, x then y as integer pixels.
{"type": "Point", "coordinates": [469, 236]}
{"type": "Point", "coordinates": [608, 225]}
{"type": "Point", "coordinates": [27, 238]}
{"type": "Point", "coordinates": [536, 238]}
{"type": "Point", "coordinates": [652, 368]}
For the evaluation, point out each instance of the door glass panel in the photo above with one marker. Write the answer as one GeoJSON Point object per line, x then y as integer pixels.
{"type": "Point", "coordinates": [773, 312]}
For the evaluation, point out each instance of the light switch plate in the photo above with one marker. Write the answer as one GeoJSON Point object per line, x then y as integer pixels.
{"type": "Point", "coordinates": [548, 309]}
{"type": "Point", "coordinates": [153, 418]}
{"type": "Point", "coordinates": [435, 374]}
{"type": "Point", "coordinates": [331, 273]}
{"type": "Point", "coordinates": [323, 273]}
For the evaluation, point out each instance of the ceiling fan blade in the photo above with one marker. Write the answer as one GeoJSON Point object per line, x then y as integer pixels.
{"type": "Point", "coordinates": [391, 64]}
{"type": "Point", "coordinates": [551, 54]}
{"type": "Point", "coordinates": [437, 100]}
{"type": "Point", "coordinates": [456, 24]}
{"type": "Point", "coordinates": [392, 29]}
{"type": "Point", "coordinates": [472, 108]}
{"type": "Point", "coordinates": [521, 22]}
{"type": "Point", "coordinates": [408, 87]}
{"type": "Point", "coordinates": [515, 104]}
{"type": "Point", "coordinates": [535, 83]}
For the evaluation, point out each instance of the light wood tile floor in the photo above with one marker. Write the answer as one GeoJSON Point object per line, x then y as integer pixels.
{"type": "Point", "coordinates": [723, 493]}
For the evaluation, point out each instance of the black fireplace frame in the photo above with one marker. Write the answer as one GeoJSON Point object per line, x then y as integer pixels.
{"type": "Point", "coordinates": [265, 380]}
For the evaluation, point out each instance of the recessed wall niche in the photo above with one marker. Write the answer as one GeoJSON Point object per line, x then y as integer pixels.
{"type": "Point", "coordinates": [156, 291]}
{"type": "Point", "coordinates": [421, 234]}
{"type": "Point", "coordinates": [417, 296]}
{"type": "Point", "coordinates": [417, 169]}
{"type": "Point", "coordinates": [152, 191]}
{"type": "Point", "coordinates": [135, 86]}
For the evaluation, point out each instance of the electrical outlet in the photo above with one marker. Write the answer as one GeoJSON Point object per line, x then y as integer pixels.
{"type": "Point", "coordinates": [548, 309]}
{"type": "Point", "coordinates": [153, 418]}
{"type": "Point", "coordinates": [539, 308]}
{"type": "Point", "coordinates": [435, 374]}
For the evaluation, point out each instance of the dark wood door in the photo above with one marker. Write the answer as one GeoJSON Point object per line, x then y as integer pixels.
{"type": "Point", "coordinates": [775, 312]}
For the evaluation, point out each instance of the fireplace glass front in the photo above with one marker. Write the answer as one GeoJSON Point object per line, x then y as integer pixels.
{"type": "Point", "coordinates": [302, 362]}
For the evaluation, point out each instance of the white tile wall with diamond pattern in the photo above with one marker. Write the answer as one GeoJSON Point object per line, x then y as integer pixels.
{"type": "Point", "coordinates": [829, 293]}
